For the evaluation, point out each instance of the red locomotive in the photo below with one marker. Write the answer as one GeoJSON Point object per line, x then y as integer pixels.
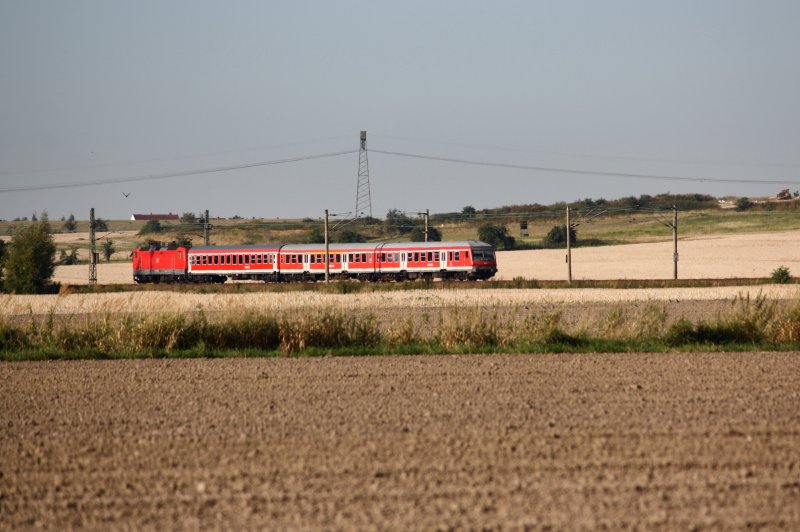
{"type": "Point", "coordinates": [385, 261]}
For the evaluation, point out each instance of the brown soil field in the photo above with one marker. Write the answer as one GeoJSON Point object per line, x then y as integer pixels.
{"type": "Point", "coordinates": [752, 255]}
{"type": "Point", "coordinates": [619, 441]}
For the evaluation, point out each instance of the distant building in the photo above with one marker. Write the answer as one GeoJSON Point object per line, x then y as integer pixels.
{"type": "Point", "coordinates": [151, 216]}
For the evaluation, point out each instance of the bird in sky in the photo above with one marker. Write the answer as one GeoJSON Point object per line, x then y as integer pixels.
{"type": "Point", "coordinates": [126, 194]}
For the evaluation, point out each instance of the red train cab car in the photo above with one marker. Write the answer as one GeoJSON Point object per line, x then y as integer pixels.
{"type": "Point", "coordinates": [468, 259]}
{"type": "Point", "coordinates": [156, 264]}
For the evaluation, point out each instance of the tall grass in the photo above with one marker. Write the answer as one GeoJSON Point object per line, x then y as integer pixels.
{"type": "Point", "coordinates": [751, 323]}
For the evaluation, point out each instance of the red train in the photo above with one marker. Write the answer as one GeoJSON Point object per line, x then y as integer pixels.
{"type": "Point", "coordinates": [385, 261]}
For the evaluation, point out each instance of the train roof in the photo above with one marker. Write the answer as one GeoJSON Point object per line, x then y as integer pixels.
{"type": "Point", "coordinates": [366, 246]}
{"type": "Point", "coordinates": [332, 247]}
{"type": "Point", "coordinates": [243, 247]}
{"type": "Point", "coordinates": [436, 245]}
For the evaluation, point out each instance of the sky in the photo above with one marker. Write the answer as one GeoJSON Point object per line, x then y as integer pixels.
{"type": "Point", "coordinates": [103, 91]}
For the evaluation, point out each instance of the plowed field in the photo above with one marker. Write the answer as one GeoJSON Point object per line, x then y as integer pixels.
{"type": "Point", "coordinates": [670, 441]}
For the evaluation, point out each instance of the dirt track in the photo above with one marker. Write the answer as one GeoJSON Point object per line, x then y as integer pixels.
{"type": "Point", "coordinates": [660, 441]}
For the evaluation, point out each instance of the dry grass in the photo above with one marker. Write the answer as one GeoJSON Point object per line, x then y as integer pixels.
{"type": "Point", "coordinates": [174, 302]}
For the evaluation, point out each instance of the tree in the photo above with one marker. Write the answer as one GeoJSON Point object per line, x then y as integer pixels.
{"type": "Point", "coordinates": [558, 235]}
{"type": "Point", "coordinates": [69, 224]}
{"type": "Point", "coordinates": [100, 225]}
{"type": "Point", "coordinates": [108, 249]}
{"type": "Point", "coordinates": [30, 261]}
{"type": "Point", "coordinates": [418, 234]}
{"type": "Point", "coordinates": [349, 236]}
{"type": "Point", "coordinates": [496, 235]}
{"type": "Point", "coordinates": [68, 259]}
{"type": "Point", "coordinates": [742, 204]}
{"type": "Point", "coordinates": [468, 211]}
{"type": "Point", "coordinates": [397, 222]}
{"type": "Point", "coordinates": [182, 240]}
{"type": "Point", "coordinates": [188, 218]}
{"type": "Point", "coordinates": [316, 235]}
{"type": "Point", "coordinates": [152, 226]}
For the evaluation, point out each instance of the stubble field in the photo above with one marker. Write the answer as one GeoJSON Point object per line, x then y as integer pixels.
{"type": "Point", "coordinates": [750, 255]}
{"type": "Point", "coordinates": [659, 441]}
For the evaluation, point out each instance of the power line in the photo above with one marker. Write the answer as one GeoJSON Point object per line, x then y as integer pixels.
{"type": "Point", "coordinates": [585, 172]}
{"type": "Point", "coordinates": [170, 175]}
{"type": "Point", "coordinates": [169, 159]}
{"type": "Point", "coordinates": [597, 156]}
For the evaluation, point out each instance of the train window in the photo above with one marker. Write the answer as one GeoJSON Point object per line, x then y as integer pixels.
{"type": "Point", "coordinates": [227, 259]}
{"type": "Point", "coordinates": [435, 255]}
{"type": "Point", "coordinates": [246, 259]}
{"type": "Point", "coordinates": [430, 256]}
{"type": "Point", "coordinates": [313, 259]}
{"type": "Point", "coordinates": [338, 257]}
{"type": "Point", "coordinates": [252, 259]}
{"type": "Point", "coordinates": [363, 257]}
{"type": "Point", "coordinates": [456, 255]}
{"type": "Point", "coordinates": [216, 259]}
{"type": "Point", "coordinates": [205, 259]}
{"type": "Point", "coordinates": [415, 257]}
{"type": "Point", "coordinates": [466, 254]}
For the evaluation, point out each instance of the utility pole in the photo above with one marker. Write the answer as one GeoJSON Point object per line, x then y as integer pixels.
{"type": "Point", "coordinates": [675, 242]}
{"type": "Point", "coordinates": [93, 258]}
{"type": "Point", "coordinates": [569, 250]}
{"type": "Point", "coordinates": [327, 249]}
{"type": "Point", "coordinates": [206, 227]}
{"type": "Point", "coordinates": [427, 216]}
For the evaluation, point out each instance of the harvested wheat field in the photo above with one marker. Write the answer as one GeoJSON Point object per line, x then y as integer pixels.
{"type": "Point", "coordinates": [753, 255]}
{"type": "Point", "coordinates": [664, 441]}
{"type": "Point", "coordinates": [709, 257]}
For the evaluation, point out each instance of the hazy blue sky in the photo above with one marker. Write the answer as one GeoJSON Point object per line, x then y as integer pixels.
{"type": "Point", "coordinates": [96, 90]}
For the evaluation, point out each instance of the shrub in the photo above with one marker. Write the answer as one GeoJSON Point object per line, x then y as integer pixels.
{"type": "Point", "coordinates": [558, 236]}
{"type": "Point", "coordinates": [418, 235]}
{"type": "Point", "coordinates": [31, 259]}
{"type": "Point", "coordinates": [152, 226]}
{"type": "Point", "coordinates": [108, 249]}
{"type": "Point", "coordinates": [496, 235]}
{"type": "Point", "coordinates": [397, 222]}
{"type": "Point", "coordinates": [70, 224]}
{"type": "Point", "coordinates": [742, 204]}
{"type": "Point", "coordinates": [781, 275]}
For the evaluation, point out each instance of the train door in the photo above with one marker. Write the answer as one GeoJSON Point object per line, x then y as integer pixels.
{"type": "Point", "coordinates": [345, 262]}
{"type": "Point", "coordinates": [306, 262]}
{"type": "Point", "coordinates": [442, 259]}
{"type": "Point", "coordinates": [403, 261]}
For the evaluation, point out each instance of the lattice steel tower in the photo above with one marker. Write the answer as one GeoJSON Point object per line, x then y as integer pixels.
{"type": "Point", "coordinates": [363, 195]}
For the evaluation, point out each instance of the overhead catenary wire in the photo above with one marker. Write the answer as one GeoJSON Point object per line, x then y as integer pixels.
{"type": "Point", "coordinates": [577, 171]}
{"type": "Point", "coordinates": [594, 155]}
{"type": "Point", "coordinates": [171, 175]}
